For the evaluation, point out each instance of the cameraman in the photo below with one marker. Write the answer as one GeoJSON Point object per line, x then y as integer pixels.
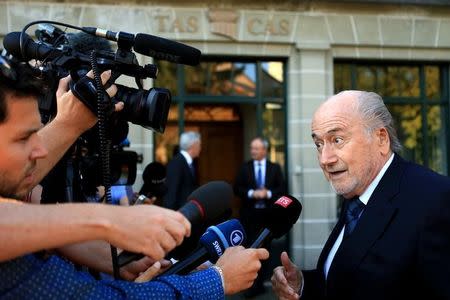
{"type": "Point", "coordinates": [26, 228]}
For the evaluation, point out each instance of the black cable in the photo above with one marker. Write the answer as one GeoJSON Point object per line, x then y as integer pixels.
{"type": "Point", "coordinates": [105, 147]}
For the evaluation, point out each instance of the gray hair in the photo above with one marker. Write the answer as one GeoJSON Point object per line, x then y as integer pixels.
{"type": "Point", "coordinates": [188, 138]}
{"type": "Point", "coordinates": [263, 141]}
{"type": "Point", "coordinates": [376, 115]}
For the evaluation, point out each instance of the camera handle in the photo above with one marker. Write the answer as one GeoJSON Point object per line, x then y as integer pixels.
{"type": "Point", "coordinates": [85, 90]}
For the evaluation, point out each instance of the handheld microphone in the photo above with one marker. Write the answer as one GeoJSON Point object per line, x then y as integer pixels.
{"type": "Point", "coordinates": [282, 216]}
{"type": "Point", "coordinates": [205, 205]}
{"type": "Point", "coordinates": [153, 46]}
{"type": "Point", "coordinates": [212, 245]}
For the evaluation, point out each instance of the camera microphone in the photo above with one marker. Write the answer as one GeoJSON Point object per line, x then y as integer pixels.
{"type": "Point", "coordinates": [212, 245]}
{"type": "Point", "coordinates": [282, 215]}
{"type": "Point", "coordinates": [151, 45]}
{"type": "Point", "coordinates": [205, 205]}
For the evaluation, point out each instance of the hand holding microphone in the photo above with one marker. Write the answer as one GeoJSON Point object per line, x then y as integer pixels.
{"type": "Point", "coordinates": [239, 266]}
{"type": "Point", "coordinates": [205, 205]}
{"type": "Point", "coordinates": [211, 246]}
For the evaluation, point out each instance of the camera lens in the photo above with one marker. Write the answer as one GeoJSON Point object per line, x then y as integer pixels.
{"type": "Point", "coordinates": [148, 108]}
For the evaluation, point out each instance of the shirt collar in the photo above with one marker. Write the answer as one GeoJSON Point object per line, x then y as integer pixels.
{"type": "Point", "coordinates": [262, 161]}
{"type": "Point", "coordinates": [369, 191]}
{"type": "Point", "coordinates": [186, 156]}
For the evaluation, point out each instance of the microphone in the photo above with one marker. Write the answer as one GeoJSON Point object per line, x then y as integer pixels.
{"type": "Point", "coordinates": [205, 205]}
{"type": "Point", "coordinates": [282, 215]}
{"type": "Point", "coordinates": [151, 45]}
{"type": "Point", "coordinates": [32, 50]}
{"type": "Point", "coordinates": [212, 245]}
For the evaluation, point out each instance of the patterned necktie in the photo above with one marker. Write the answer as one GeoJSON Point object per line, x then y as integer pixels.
{"type": "Point", "coordinates": [352, 214]}
{"type": "Point", "coordinates": [259, 182]}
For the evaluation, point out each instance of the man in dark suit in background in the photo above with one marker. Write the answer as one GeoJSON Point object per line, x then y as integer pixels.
{"type": "Point", "coordinates": [392, 240]}
{"type": "Point", "coordinates": [258, 184]}
{"type": "Point", "coordinates": [181, 177]}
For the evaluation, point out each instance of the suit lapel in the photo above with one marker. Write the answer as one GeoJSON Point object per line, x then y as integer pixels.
{"type": "Point", "coordinates": [186, 166]}
{"type": "Point", "coordinates": [373, 222]}
{"type": "Point", "coordinates": [268, 173]}
{"type": "Point", "coordinates": [251, 171]}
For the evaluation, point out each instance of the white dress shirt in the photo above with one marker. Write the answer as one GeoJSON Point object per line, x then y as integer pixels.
{"type": "Point", "coordinates": [364, 199]}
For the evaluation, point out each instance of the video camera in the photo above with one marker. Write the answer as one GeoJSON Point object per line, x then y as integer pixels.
{"type": "Point", "coordinates": [58, 57]}
{"type": "Point", "coordinates": [57, 54]}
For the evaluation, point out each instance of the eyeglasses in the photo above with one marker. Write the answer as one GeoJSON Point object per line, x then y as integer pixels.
{"type": "Point", "coordinates": [6, 69]}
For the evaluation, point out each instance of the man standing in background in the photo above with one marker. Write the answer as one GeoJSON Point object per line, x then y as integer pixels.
{"type": "Point", "coordinates": [258, 184]}
{"type": "Point", "coordinates": [181, 178]}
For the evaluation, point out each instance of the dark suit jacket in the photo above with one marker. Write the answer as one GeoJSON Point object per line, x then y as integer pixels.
{"type": "Point", "coordinates": [245, 180]}
{"type": "Point", "coordinates": [400, 248]}
{"type": "Point", "coordinates": [180, 182]}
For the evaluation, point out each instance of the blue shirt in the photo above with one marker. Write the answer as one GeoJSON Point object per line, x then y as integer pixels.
{"type": "Point", "coordinates": [29, 277]}
{"type": "Point", "coordinates": [119, 191]}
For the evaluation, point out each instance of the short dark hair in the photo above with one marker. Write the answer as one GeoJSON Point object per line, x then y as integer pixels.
{"type": "Point", "coordinates": [24, 84]}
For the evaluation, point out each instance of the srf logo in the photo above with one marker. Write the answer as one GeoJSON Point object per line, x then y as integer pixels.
{"type": "Point", "coordinates": [284, 201]}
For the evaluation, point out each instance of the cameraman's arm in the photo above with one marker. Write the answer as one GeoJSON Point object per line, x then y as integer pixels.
{"type": "Point", "coordinates": [73, 118]}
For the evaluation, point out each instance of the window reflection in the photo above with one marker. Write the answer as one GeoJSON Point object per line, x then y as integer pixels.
{"type": "Point", "coordinates": [342, 77]}
{"type": "Point", "coordinates": [272, 79]}
{"type": "Point", "coordinates": [167, 74]}
{"type": "Point", "coordinates": [367, 78]}
{"type": "Point", "coordinates": [222, 79]}
{"type": "Point", "coordinates": [273, 117]}
{"type": "Point", "coordinates": [433, 82]}
{"type": "Point", "coordinates": [436, 138]}
{"type": "Point", "coordinates": [403, 81]}
{"type": "Point", "coordinates": [408, 121]}
{"type": "Point", "coordinates": [388, 81]}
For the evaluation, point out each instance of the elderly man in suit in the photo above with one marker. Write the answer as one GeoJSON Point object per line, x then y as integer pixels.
{"type": "Point", "coordinates": [181, 177]}
{"type": "Point", "coordinates": [392, 240]}
{"type": "Point", "coordinates": [258, 184]}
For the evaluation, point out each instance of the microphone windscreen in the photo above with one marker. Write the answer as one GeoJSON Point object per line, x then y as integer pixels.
{"type": "Point", "coordinates": [214, 199]}
{"type": "Point", "coordinates": [154, 177]}
{"type": "Point", "coordinates": [207, 205]}
{"type": "Point", "coordinates": [218, 238]}
{"type": "Point", "coordinates": [85, 43]}
{"type": "Point", "coordinates": [282, 215]}
{"type": "Point", "coordinates": [164, 49]}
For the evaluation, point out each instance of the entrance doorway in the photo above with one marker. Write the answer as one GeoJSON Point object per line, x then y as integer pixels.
{"type": "Point", "coordinates": [221, 130]}
{"type": "Point", "coordinates": [221, 154]}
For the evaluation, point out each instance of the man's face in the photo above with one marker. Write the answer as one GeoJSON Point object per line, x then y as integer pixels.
{"type": "Point", "coordinates": [257, 150]}
{"type": "Point", "coordinates": [196, 148]}
{"type": "Point", "coordinates": [349, 156]}
{"type": "Point", "coordinates": [20, 147]}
